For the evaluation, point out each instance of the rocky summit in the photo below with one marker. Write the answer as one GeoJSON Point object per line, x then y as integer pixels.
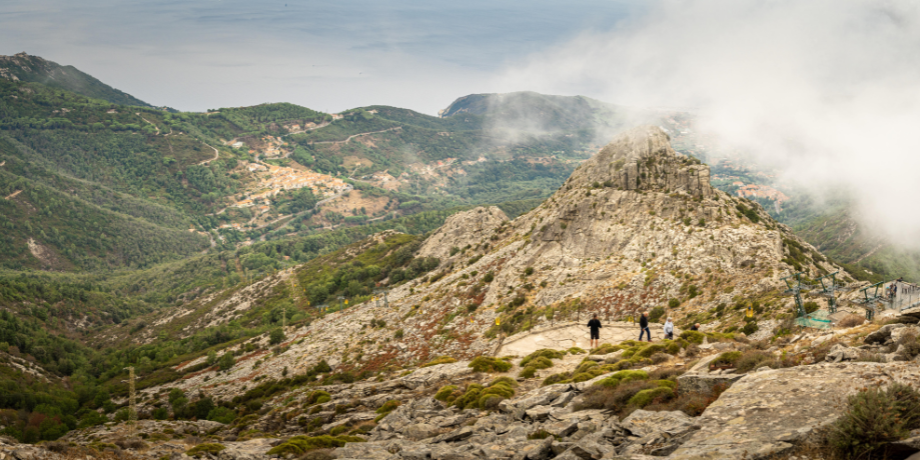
{"type": "Point", "coordinates": [485, 355]}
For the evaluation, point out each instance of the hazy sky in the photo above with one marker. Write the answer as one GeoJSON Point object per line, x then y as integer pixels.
{"type": "Point", "coordinates": [826, 90]}
{"type": "Point", "coordinates": [330, 56]}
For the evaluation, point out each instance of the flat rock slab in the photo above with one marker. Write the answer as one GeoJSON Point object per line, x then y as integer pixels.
{"type": "Point", "coordinates": [765, 412]}
{"type": "Point", "coordinates": [572, 334]}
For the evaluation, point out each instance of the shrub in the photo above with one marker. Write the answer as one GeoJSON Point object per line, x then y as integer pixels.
{"type": "Point", "coordinates": [439, 360]}
{"type": "Point", "coordinates": [650, 349]}
{"type": "Point", "coordinates": [276, 336]}
{"type": "Point", "coordinates": [673, 303]}
{"type": "Point", "coordinates": [528, 372]}
{"type": "Point", "coordinates": [576, 351]}
{"type": "Point", "coordinates": [605, 349]}
{"type": "Point", "coordinates": [506, 380]}
{"type": "Point", "coordinates": [545, 353]}
{"type": "Point", "coordinates": [338, 430]}
{"type": "Point", "coordinates": [489, 364]}
{"type": "Point", "coordinates": [656, 314]}
{"type": "Point", "coordinates": [659, 358]}
{"type": "Point", "coordinates": [388, 406]}
{"type": "Point", "coordinates": [299, 445]}
{"type": "Point", "coordinates": [539, 434]}
{"type": "Point", "coordinates": [851, 321]}
{"type": "Point", "coordinates": [206, 448]}
{"type": "Point", "coordinates": [750, 328]}
{"type": "Point", "coordinates": [398, 334]}
{"type": "Point", "coordinates": [585, 366]}
{"type": "Point", "coordinates": [621, 377]}
{"type": "Point", "coordinates": [810, 307]}
{"type": "Point", "coordinates": [693, 336]}
{"type": "Point", "coordinates": [317, 397]}
{"type": "Point", "coordinates": [873, 419]}
{"type": "Point", "coordinates": [221, 414]}
{"type": "Point", "coordinates": [728, 358]}
{"type": "Point", "coordinates": [444, 393]}
{"type": "Point", "coordinates": [752, 360]}
{"type": "Point", "coordinates": [554, 379]}
{"type": "Point", "coordinates": [645, 397]}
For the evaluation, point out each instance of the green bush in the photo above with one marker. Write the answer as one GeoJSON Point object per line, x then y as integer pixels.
{"type": "Point", "coordinates": [873, 419]}
{"type": "Point", "coordinates": [299, 445]}
{"type": "Point", "coordinates": [439, 360]}
{"type": "Point", "coordinates": [489, 364]}
{"type": "Point", "coordinates": [810, 307]}
{"type": "Point", "coordinates": [606, 349]}
{"type": "Point", "coordinates": [444, 393]}
{"type": "Point", "coordinates": [576, 351]}
{"type": "Point", "coordinates": [317, 397]}
{"type": "Point", "coordinates": [276, 336]}
{"type": "Point", "coordinates": [539, 434]}
{"type": "Point", "coordinates": [752, 360]}
{"type": "Point", "coordinates": [222, 415]}
{"type": "Point", "coordinates": [206, 448]}
{"type": "Point", "coordinates": [388, 406]}
{"type": "Point", "coordinates": [339, 430]}
{"type": "Point", "coordinates": [673, 303]}
{"type": "Point", "coordinates": [728, 358]}
{"type": "Point", "coordinates": [504, 379]}
{"type": "Point", "coordinates": [622, 377]}
{"type": "Point", "coordinates": [470, 397]}
{"type": "Point", "coordinates": [656, 314]}
{"type": "Point", "coordinates": [693, 336]}
{"type": "Point", "coordinates": [546, 353]}
{"type": "Point", "coordinates": [528, 372]}
{"type": "Point", "coordinates": [750, 328]}
{"type": "Point", "coordinates": [645, 397]}
{"type": "Point", "coordinates": [650, 349]}
{"type": "Point", "coordinates": [555, 378]}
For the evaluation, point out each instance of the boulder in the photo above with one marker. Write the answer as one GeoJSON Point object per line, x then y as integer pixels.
{"type": "Point", "coordinates": [671, 423]}
{"type": "Point", "coordinates": [705, 383]}
{"type": "Point", "coordinates": [842, 352]}
{"type": "Point", "coordinates": [765, 413]}
{"type": "Point", "coordinates": [882, 335]}
{"type": "Point", "coordinates": [365, 450]}
{"type": "Point", "coordinates": [418, 431]}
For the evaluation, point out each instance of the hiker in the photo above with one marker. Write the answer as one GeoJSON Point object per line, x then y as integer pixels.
{"type": "Point", "coordinates": [595, 325]}
{"type": "Point", "coordinates": [695, 327]}
{"type": "Point", "coordinates": [669, 330]}
{"type": "Point", "coordinates": [643, 327]}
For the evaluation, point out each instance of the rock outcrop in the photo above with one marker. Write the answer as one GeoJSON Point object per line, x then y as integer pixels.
{"type": "Point", "coordinates": [461, 231]}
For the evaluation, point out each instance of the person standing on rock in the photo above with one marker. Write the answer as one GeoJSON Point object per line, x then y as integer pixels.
{"type": "Point", "coordinates": [595, 326]}
{"type": "Point", "coordinates": [643, 327]}
{"type": "Point", "coordinates": [668, 330]}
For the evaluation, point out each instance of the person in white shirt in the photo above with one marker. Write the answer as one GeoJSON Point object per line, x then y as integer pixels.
{"type": "Point", "coordinates": [669, 329]}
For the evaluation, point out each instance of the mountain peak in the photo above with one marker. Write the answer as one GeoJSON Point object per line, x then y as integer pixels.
{"type": "Point", "coordinates": [642, 159]}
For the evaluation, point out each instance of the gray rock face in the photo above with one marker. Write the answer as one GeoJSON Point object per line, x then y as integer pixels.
{"type": "Point", "coordinates": [705, 383]}
{"type": "Point", "coordinates": [461, 229]}
{"type": "Point", "coordinates": [765, 412]}
{"type": "Point", "coordinates": [882, 335]}
{"type": "Point", "coordinates": [842, 352]}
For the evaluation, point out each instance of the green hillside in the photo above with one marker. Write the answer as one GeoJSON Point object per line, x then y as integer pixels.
{"type": "Point", "coordinates": [24, 67]}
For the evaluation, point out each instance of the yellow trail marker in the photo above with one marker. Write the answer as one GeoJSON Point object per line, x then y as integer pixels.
{"type": "Point", "coordinates": [750, 312]}
{"type": "Point", "coordinates": [498, 321]}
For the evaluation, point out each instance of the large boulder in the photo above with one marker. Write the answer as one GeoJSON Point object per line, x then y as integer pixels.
{"type": "Point", "coordinates": [764, 413]}
{"type": "Point", "coordinates": [882, 335]}
{"type": "Point", "coordinates": [705, 383]}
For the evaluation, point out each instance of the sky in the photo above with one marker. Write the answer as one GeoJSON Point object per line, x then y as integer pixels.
{"type": "Point", "coordinates": [828, 91]}
{"type": "Point", "coordinates": [329, 56]}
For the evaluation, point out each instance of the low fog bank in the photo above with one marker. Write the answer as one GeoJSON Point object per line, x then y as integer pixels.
{"type": "Point", "coordinates": [829, 92]}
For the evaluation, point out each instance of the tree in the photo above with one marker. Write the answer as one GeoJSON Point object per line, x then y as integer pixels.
{"type": "Point", "coordinates": [212, 358]}
{"type": "Point", "coordinates": [226, 361]}
{"type": "Point", "coordinates": [276, 336]}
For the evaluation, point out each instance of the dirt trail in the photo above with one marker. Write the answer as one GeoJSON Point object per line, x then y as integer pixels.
{"type": "Point", "coordinates": [152, 123]}
{"type": "Point", "coordinates": [216, 154]}
{"type": "Point", "coordinates": [356, 135]}
{"type": "Point", "coordinates": [13, 195]}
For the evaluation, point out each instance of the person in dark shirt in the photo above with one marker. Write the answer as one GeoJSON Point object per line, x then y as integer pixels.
{"type": "Point", "coordinates": [643, 327]}
{"type": "Point", "coordinates": [595, 325]}
{"type": "Point", "coordinates": [695, 327]}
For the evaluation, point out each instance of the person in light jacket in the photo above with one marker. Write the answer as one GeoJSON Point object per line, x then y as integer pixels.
{"type": "Point", "coordinates": [669, 329]}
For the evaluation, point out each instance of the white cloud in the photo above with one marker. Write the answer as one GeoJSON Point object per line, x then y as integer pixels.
{"type": "Point", "coordinates": [827, 90]}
